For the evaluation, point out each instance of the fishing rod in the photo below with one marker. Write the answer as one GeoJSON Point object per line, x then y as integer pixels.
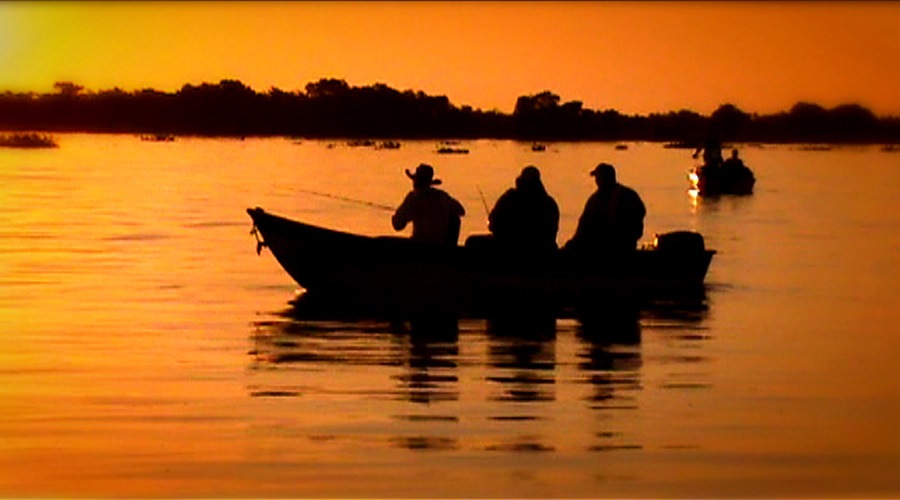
{"type": "Point", "coordinates": [487, 211]}
{"type": "Point", "coordinates": [344, 198]}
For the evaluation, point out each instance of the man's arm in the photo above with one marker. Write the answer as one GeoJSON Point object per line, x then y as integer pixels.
{"type": "Point", "coordinates": [403, 215]}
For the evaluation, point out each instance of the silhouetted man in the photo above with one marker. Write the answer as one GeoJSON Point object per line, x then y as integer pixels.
{"type": "Point", "coordinates": [435, 215]}
{"type": "Point", "coordinates": [525, 219]}
{"type": "Point", "coordinates": [734, 162]}
{"type": "Point", "coordinates": [712, 151]}
{"type": "Point", "coordinates": [613, 218]}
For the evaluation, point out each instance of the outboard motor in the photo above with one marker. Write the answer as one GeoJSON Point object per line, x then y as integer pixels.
{"type": "Point", "coordinates": [680, 242]}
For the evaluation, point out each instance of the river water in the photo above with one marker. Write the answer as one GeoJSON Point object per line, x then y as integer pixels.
{"type": "Point", "coordinates": [147, 350]}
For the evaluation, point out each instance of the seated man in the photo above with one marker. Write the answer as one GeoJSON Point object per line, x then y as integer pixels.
{"type": "Point", "coordinates": [733, 163]}
{"type": "Point", "coordinates": [525, 219]}
{"type": "Point", "coordinates": [613, 218]}
{"type": "Point", "coordinates": [435, 215]}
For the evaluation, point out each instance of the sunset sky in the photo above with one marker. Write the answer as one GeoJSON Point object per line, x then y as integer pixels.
{"type": "Point", "coordinates": [636, 57]}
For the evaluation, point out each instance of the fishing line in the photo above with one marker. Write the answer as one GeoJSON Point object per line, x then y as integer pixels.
{"type": "Point", "coordinates": [347, 199]}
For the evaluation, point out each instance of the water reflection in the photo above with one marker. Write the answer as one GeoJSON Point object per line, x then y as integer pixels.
{"type": "Point", "coordinates": [521, 351]}
{"type": "Point", "coordinates": [429, 375]}
{"type": "Point", "coordinates": [429, 362]}
{"type": "Point", "coordinates": [610, 359]}
{"type": "Point", "coordinates": [502, 383]}
{"type": "Point", "coordinates": [713, 203]}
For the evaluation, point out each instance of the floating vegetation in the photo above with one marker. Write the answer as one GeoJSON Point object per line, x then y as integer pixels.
{"type": "Point", "coordinates": [27, 140]}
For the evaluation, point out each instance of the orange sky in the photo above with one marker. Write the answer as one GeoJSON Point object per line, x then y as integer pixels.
{"type": "Point", "coordinates": [637, 57]}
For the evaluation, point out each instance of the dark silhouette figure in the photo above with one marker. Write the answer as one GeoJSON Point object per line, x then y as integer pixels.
{"type": "Point", "coordinates": [613, 218]}
{"type": "Point", "coordinates": [733, 162]}
{"type": "Point", "coordinates": [712, 151]}
{"type": "Point", "coordinates": [525, 219]}
{"type": "Point", "coordinates": [435, 215]}
{"type": "Point", "coordinates": [731, 177]}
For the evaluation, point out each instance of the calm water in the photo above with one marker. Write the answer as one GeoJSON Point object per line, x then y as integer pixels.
{"type": "Point", "coordinates": [145, 348]}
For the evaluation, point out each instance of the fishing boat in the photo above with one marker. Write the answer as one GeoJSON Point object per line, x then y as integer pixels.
{"type": "Point", "coordinates": [444, 150]}
{"type": "Point", "coordinates": [712, 181]}
{"type": "Point", "coordinates": [388, 145]}
{"type": "Point", "coordinates": [399, 271]}
{"type": "Point", "coordinates": [158, 138]}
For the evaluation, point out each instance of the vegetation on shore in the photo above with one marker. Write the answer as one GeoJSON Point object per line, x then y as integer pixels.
{"type": "Point", "coordinates": [331, 108]}
{"type": "Point", "coordinates": [27, 141]}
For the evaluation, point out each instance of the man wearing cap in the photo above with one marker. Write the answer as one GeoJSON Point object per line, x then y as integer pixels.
{"type": "Point", "coordinates": [435, 215]}
{"type": "Point", "coordinates": [613, 218]}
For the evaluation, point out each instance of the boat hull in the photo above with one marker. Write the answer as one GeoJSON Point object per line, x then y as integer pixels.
{"type": "Point", "coordinates": [715, 181]}
{"type": "Point", "coordinates": [396, 271]}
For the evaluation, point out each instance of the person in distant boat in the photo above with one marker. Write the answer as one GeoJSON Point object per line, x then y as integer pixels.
{"type": "Point", "coordinates": [526, 218]}
{"type": "Point", "coordinates": [613, 218]}
{"type": "Point", "coordinates": [712, 151]}
{"type": "Point", "coordinates": [733, 163]}
{"type": "Point", "coordinates": [434, 214]}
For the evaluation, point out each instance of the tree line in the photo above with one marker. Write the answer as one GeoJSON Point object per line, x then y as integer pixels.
{"type": "Point", "coordinates": [330, 108]}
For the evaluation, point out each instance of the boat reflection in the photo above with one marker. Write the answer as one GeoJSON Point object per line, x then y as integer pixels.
{"type": "Point", "coordinates": [430, 351]}
{"type": "Point", "coordinates": [610, 358]}
{"type": "Point", "coordinates": [522, 356]}
{"type": "Point", "coordinates": [492, 383]}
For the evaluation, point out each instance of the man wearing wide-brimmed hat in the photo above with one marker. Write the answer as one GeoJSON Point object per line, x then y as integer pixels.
{"type": "Point", "coordinates": [435, 215]}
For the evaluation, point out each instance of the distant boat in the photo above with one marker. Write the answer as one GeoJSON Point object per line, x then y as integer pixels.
{"type": "Point", "coordinates": [538, 147]}
{"type": "Point", "coordinates": [621, 147]}
{"type": "Point", "coordinates": [361, 142]}
{"type": "Point", "coordinates": [27, 141]}
{"type": "Point", "coordinates": [815, 147]}
{"type": "Point", "coordinates": [449, 150]}
{"type": "Point", "coordinates": [388, 145]}
{"type": "Point", "coordinates": [890, 148]}
{"type": "Point", "coordinates": [679, 145]}
{"type": "Point", "coordinates": [158, 138]}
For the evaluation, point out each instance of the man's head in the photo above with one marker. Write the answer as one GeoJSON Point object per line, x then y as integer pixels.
{"type": "Point", "coordinates": [423, 176]}
{"type": "Point", "coordinates": [530, 178]}
{"type": "Point", "coordinates": [605, 175]}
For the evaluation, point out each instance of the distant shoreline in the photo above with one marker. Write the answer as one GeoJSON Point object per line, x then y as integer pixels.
{"type": "Point", "coordinates": [332, 109]}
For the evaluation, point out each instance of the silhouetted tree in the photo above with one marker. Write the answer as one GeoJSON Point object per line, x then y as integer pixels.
{"type": "Point", "coordinates": [330, 107]}
{"type": "Point", "coordinates": [68, 89]}
{"type": "Point", "coordinates": [729, 122]}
